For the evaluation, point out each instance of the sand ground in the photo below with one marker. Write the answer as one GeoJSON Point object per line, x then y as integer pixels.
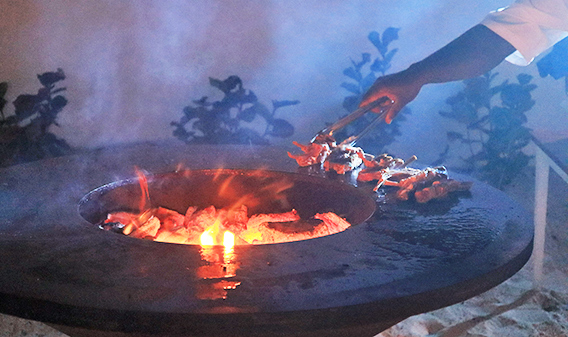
{"type": "Point", "coordinates": [516, 308]}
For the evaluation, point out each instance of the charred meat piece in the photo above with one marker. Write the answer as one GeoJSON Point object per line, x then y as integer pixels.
{"type": "Point", "coordinates": [324, 151]}
{"type": "Point", "coordinates": [440, 189]}
{"type": "Point", "coordinates": [344, 159]}
{"type": "Point", "coordinates": [424, 184]}
{"type": "Point", "coordinates": [314, 154]}
{"type": "Point", "coordinates": [424, 178]}
{"type": "Point", "coordinates": [383, 167]}
{"type": "Point", "coordinates": [386, 170]}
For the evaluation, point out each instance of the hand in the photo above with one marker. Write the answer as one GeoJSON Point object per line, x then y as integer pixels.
{"type": "Point", "coordinates": [401, 87]}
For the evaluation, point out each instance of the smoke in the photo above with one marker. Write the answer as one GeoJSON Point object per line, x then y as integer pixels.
{"type": "Point", "coordinates": [132, 66]}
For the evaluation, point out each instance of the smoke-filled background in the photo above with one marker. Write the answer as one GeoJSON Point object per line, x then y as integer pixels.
{"type": "Point", "coordinates": [132, 66]}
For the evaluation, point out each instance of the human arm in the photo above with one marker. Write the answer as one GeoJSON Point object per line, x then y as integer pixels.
{"type": "Point", "coordinates": [472, 54]}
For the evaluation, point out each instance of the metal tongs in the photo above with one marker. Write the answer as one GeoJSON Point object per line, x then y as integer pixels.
{"type": "Point", "coordinates": [384, 103]}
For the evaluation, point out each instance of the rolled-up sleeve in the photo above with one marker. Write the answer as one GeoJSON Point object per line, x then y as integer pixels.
{"type": "Point", "coordinates": [531, 26]}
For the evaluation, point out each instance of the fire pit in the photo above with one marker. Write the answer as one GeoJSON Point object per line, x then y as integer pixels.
{"type": "Point", "coordinates": [406, 259]}
{"type": "Point", "coordinates": [259, 192]}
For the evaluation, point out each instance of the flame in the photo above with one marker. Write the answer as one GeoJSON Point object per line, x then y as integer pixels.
{"type": "Point", "coordinates": [145, 198]}
{"type": "Point", "coordinates": [207, 239]}
{"type": "Point", "coordinates": [228, 240]}
{"type": "Point", "coordinates": [209, 226]}
{"type": "Point", "coordinates": [209, 235]}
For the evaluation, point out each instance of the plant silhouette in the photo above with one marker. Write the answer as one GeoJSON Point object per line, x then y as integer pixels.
{"type": "Point", "coordinates": [223, 121]}
{"type": "Point", "coordinates": [494, 135]}
{"type": "Point", "coordinates": [25, 135]}
{"type": "Point", "coordinates": [359, 82]}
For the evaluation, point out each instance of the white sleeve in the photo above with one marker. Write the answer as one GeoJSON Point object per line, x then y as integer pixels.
{"type": "Point", "coordinates": [531, 26]}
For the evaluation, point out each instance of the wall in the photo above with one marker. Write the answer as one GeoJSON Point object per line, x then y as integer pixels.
{"type": "Point", "coordinates": [132, 66]}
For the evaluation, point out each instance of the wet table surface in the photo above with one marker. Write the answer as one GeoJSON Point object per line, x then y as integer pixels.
{"type": "Point", "coordinates": [406, 259]}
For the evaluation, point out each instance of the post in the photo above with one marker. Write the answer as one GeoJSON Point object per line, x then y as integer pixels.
{"type": "Point", "coordinates": [542, 169]}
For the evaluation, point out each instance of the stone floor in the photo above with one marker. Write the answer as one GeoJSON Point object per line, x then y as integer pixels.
{"type": "Point", "coordinates": [516, 308]}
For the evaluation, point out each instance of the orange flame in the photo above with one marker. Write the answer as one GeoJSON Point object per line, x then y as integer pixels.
{"type": "Point", "coordinates": [174, 227]}
{"type": "Point", "coordinates": [228, 239]}
{"type": "Point", "coordinates": [207, 239]}
{"type": "Point", "coordinates": [211, 236]}
{"type": "Point", "coordinates": [145, 198]}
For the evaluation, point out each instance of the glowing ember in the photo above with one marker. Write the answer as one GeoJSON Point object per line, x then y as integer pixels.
{"type": "Point", "coordinates": [212, 227]}
{"type": "Point", "coordinates": [226, 226]}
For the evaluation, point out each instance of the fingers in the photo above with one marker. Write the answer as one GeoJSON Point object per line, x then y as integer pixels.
{"type": "Point", "coordinates": [374, 95]}
{"type": "Point", "coordinates": [390, 104]}
{"type": "Point", "coordinates": [400, 87]}
{"type": "Point", "coordinates": [392, 112]}
{"type": "Point", "coordinates": [368, 99]}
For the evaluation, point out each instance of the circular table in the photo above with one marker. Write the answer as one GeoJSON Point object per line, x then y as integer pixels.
{"type": "Point", "coordinates": [406, 259]}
